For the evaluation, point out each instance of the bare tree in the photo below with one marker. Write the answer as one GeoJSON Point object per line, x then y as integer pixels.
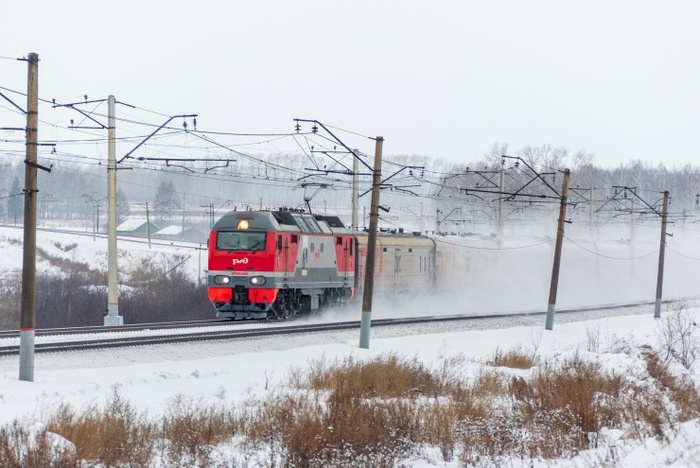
{"type": "Point", "coordinates": [544, 157]}
{"type": "Point", "coordinates": [492, 157]}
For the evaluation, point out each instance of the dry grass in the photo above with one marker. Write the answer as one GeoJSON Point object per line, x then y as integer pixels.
{"type": "Point", "coordinates": [568, 401]}
{"type": "Point", "coordinates": [19, 448]}
{"type": "Point", "coordinates": [515, 359]}
{"type": "Point", "coordinates": [389, 376]}
{"type": "Point", "coordinates": [681, 391]}
{"type": "Point", "coordinates": [111, 436]}
{"type": "Point", "coordinates": [190, 431]}
{"type": "Point", "coordinates": [377, 412]}
{"type": "Point", "coordinates": [67, 265]}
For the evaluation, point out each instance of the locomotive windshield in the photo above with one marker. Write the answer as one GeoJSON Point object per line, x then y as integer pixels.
{"type": "Point", "coordinates": [240, 240]}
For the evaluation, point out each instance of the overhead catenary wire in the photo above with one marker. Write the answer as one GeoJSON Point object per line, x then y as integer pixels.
{"type": "Point", "coordinates": [202, 134]}
{"type": "Point", "coordinates": [597, 254]}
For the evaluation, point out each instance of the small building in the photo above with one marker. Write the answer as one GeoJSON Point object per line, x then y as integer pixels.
{"type": "Point", "coordinates": [177, 233]}
{"type": "Point", "coordinates": [137, 228]}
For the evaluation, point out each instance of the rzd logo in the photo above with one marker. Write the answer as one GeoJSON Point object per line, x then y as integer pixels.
{"type": "Point", "coordinates": [240, 261]}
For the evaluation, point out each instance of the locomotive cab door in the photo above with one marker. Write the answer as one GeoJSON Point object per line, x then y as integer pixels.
{"type": "Point", "coordinates": [397, 269]}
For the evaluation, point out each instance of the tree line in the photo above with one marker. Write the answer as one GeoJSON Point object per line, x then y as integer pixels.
{"type": "Point", "coordinates": [71, 192]}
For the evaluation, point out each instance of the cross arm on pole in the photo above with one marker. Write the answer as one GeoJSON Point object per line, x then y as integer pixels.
{"type": "Point", "coordinates": [11, 102]}
{"type": "Point", "coordinates": [340, 142]}
{"type": "Point", "coordinates": [128, 155]}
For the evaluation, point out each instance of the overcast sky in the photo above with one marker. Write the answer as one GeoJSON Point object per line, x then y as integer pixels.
{"type": "Point", "coordinates": [442, 78]}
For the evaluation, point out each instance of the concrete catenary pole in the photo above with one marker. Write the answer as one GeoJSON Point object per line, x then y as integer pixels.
{"type": "Point", "coordinates": [93, 220]}
{"type": "Point", "coordinates": [591, 212]}
{"type": "Point", "coordinates": [182, 233]}
{"type": "Point", "coordinates": [112, 317]}
{"type": "Point", "coordinates": [148, 226]}
{"type": "Point", "coordinates": [557, 252]}
{"type": "Point", "coordinates": [371, 246]}
{"type": "Point", "coordinates": [662, 253]}
{"type": "Point", "coordinates": [501, 186]}
{"type": "Point", "coordinates": [28, 320]}
{"type": "Point", "coordinates": [355, 200]}
{"type": "Point", "coordinates": [632, 220]}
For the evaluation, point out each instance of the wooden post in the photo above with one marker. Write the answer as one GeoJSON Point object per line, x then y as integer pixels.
{"type": "Point", "coordinates": [557, 252]}
{"type": "Point", "coordinates": [371, 246]}
{"type": "Point", "coordinates": [662, 253]}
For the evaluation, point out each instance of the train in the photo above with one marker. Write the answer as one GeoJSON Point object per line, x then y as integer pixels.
{"type": "Point", "coordinates": [284, 263]}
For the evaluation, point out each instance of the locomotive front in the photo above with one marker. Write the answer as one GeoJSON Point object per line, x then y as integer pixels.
{"type": "Point", "coordinates": [242, 280]}
{"type": "Point", "coordinates": [277, 264]}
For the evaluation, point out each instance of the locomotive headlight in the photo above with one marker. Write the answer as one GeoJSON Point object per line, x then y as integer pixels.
{"type": "Point", "coordinates": [222, 279]}
{"type": "Point", "coordinates": [257, 280]}
{"type": "Point", "coordinates": [243, 224]}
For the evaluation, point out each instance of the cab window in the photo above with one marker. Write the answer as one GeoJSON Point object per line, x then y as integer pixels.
{"type": "Point", "coordinates": [240, 241]}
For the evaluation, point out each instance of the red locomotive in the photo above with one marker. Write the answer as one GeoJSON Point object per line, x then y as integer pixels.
{"type": "Point", "coordinates": [279, 264]}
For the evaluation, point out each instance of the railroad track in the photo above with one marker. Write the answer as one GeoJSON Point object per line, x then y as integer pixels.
{"type": "Point", "coordinates": [121, 328]}
{"type": "Point", "coordinates": [205, 332]}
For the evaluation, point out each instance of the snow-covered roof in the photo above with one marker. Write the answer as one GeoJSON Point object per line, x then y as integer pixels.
{"type": "Point", "coordinates": [132, 224]}
{"type": "Point", "coordinates": [170, 231]}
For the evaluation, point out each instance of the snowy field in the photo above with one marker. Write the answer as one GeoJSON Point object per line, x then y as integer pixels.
{"type": "Point", "coordinates": [92, 250]}
{"type": "Point", "coordinates": [151, 377]}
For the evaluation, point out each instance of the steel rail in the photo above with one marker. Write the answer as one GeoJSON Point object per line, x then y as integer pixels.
{"type": "Point", "coordinates": [122, 328]}
{"type": "Point", "coordinates": [245, 332]}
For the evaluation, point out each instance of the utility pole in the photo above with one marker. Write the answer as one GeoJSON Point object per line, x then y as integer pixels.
{"type": "Point", "coordinates": [28, 320]}
{"type": "Point", "coordinates": [632, 221]}
{"type": "Point", "coordinates": [112, 318]}
{"type": "Point", "coordinates": [662, 253]}
{"type": "Point", "coordinates": [366, 321]}
{"type": "Point", "coordinates": [355, 199]}
{"type": "Point", "coordinates": [591, 212]}
{"type": "Point", "coordinates": [148, 226]}
{"type": "Point", "coordinates": [199, 266]}
{"type": "Point", "coordinates": [501, 186]}
{"type": "Point", "coordinates": [210, 212]}
{"type": "Point", "coordinates": [183, 216]}
{"type": "Point", "coordinates": [557, 252]}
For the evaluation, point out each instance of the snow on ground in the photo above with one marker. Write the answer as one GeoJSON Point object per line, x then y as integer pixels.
{"type": "Point", "coordinates": [92, 250]}
{"type": "Point", "coordinates": [150, 377]}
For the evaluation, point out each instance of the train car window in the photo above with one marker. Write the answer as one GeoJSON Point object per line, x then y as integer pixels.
{"type": "Point", "coordinates": [352, 243]}
{"type": "Point", "coordinates": [410, 250]}
{"type": "Point", "coordinates": [279, 243]}
{"type": "Point", "coordinates": [313, 247]}
{"type": "Point", "coordinates": [320, 247]}
{"type": "Point", "coordinates": [384, 250]}
{"type": "Point", "coordinates": [338, 240]}
{"type": "Point", "coordinates": [295, 239]}
{"type": "Point", "coordinates": [240, 240]}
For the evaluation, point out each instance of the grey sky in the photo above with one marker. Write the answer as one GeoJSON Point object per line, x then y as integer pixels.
{"type": "Point", "coordinates": [442, 78]}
